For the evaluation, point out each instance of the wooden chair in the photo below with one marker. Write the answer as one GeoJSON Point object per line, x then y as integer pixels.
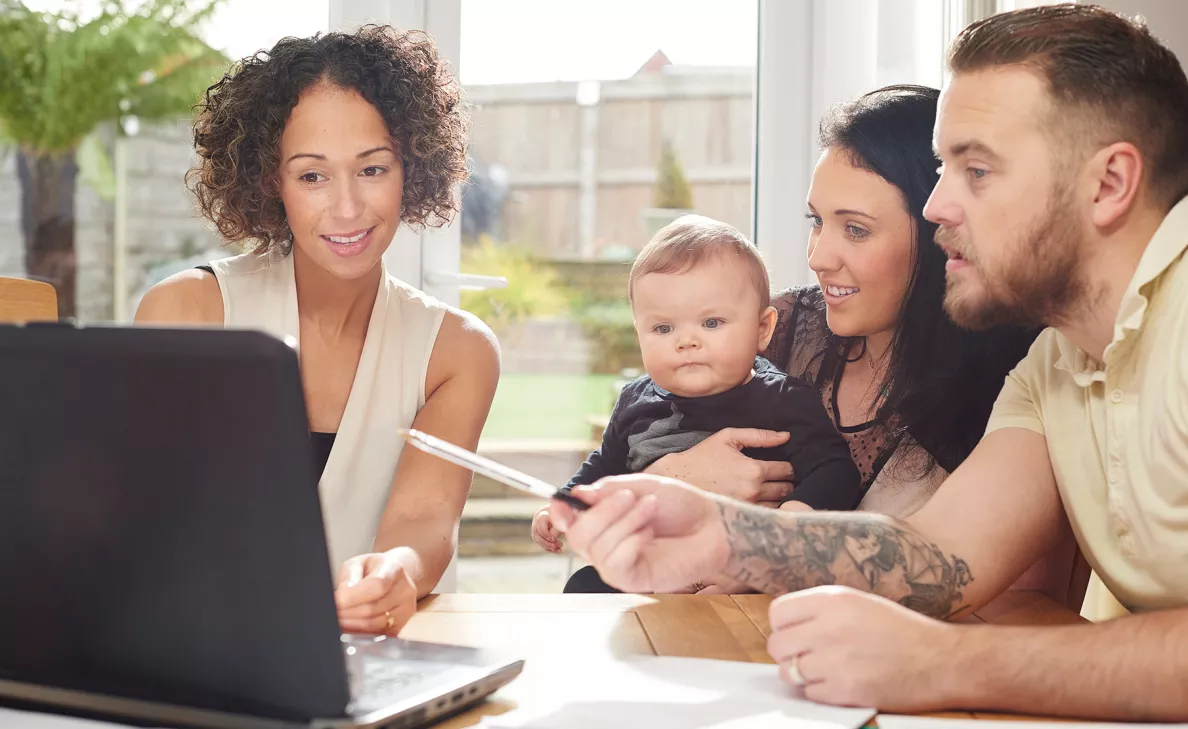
{"type": "Point", "coordinates": [23, 300]}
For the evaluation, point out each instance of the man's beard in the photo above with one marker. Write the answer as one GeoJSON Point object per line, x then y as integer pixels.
{"type": "Point", "coordinates": [1039, 281]}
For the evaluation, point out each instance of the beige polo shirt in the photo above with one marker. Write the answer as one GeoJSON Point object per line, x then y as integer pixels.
{"type": "Point", "coordinates": [1118, 434]}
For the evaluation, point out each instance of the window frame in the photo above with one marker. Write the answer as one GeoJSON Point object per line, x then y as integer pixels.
{"type": "Point", "coordinates": [428, 259]}
{"type": "Point", "coordinates": [799, 75]}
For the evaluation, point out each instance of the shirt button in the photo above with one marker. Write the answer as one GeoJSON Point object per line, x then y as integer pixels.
{"type": "Point", "coordinates": [1116, 396]}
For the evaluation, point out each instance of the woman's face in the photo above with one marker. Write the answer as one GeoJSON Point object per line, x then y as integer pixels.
{"type": "Point", "coordinates": [341, 180]}
{"type": "Point", "coordinates": [861, 242]}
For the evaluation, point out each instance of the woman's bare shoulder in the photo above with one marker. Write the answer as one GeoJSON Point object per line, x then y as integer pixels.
{"type": "Point", "coordinates": [190, 297]}
{"type": "Point", "coordinates": [465, 344]}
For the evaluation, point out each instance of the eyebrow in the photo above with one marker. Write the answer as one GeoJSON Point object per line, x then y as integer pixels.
{"type": "Point", "coordinates": [846, 211]}
{"type": "Point", "coordinates": [322, 157]}
{"type": "Point", "coordinates": [973, 146]}
{"type": "Point", "coordinates": [859, 213]}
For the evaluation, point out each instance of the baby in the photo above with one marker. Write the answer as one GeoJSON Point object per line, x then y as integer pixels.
{"type": "Point", "coordinates": [701, 302]}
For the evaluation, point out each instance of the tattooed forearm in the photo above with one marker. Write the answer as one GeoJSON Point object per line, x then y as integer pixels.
{"type": "Point", "coordinates": [782, 553]}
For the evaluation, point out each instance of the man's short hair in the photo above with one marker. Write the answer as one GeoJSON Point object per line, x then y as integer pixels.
{"type": "Point", "coordinates": [694, 240]}
{"type": "Point", "coordinates": [1109, 78]}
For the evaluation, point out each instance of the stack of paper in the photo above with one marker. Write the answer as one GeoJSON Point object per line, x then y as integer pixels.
{"type": "Point", "coordinates": [34, 720]}
{"type": "Point", "coordinates": [891, 721]}
{"type": "Point", "coordinates": [673, 693]}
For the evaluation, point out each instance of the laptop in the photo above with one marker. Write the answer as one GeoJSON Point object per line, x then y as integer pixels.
{"type": "Point", "coordinates": [162, 550]}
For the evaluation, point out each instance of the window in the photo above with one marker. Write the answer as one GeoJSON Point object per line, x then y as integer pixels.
{"type": "Point", "coordinates": [812, 55]}
{"type": "Point", "coordinates": [579, 109]}
{"type": "Point", "coordinates": [573, 106]}
{"type": "Point", "coordinates": [133, 218]}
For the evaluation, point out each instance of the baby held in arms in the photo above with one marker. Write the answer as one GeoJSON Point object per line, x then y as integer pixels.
{"type": "Point", "coordinates": [700, 299]}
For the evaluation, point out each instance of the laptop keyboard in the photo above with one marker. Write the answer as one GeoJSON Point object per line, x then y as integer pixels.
{"type": "Point", "coordinates": [380, 682]}
{"type": "Point", "coordinates": [386, 676]}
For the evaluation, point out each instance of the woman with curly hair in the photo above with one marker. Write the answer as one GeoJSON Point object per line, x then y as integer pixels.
{"type": "Point", "coordinates": [312, 155]}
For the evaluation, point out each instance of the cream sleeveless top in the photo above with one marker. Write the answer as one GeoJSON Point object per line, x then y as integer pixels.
{"type": "Point", "coordinates": [260, 292]}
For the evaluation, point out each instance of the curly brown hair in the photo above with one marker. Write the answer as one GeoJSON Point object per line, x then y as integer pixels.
{"type": "Point", "coordinates": [239, 123]}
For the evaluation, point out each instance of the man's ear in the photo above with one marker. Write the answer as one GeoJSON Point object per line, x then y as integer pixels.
{"type": "Point", "coordinates": [1117, 173]}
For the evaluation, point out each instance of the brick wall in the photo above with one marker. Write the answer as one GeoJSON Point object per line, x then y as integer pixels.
{"type": "Point", "coordinates": [162, 225]}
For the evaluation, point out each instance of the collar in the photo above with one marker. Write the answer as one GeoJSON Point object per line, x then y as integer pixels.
{"type": "Point", "coordinates": [1164, 249]}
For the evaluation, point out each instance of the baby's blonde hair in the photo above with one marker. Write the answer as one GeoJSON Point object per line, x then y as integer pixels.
{"type": "Point", "coordinates": [692, 240]}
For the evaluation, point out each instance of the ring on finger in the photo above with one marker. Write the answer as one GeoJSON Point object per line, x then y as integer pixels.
{"type": "Point", "coordinates": [392, 621]}
{"type": "Point", "coordinates": [794, 672]}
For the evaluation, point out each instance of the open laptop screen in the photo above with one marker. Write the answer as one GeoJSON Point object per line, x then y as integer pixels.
{"type": "Point", "coordinates": [160, 530]}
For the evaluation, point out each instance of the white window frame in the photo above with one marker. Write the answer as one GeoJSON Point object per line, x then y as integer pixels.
{"type": "Point", "coordinates": [427, 259]}
{"type": "Point", "coordinates": [803, 69]}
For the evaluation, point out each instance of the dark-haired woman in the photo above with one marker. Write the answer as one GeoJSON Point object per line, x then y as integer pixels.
{"type": "Point", "coordinates": [910, 390]}
{"type": "Point", "coordinates": [312, 155]}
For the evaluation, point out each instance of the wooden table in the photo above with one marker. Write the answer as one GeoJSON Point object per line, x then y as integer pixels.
{"type": "Point", "coordinates": [558, 635]}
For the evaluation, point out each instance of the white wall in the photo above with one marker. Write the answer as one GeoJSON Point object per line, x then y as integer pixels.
{"type": "Point", "coordinates": [812, 55]}
{"type": "Point", "coordinates": [1167, 19]}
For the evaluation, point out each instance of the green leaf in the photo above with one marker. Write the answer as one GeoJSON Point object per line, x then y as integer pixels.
{"type": "Point", "coordinates": [94, 167]}
{"type": "Point", "coordinates": [63, 77]}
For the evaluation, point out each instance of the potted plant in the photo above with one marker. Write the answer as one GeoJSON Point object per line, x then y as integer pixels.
{"type": "Point", "coordinates": [63, 76]}
{"type": "Point", "coordinates": [673, 197]}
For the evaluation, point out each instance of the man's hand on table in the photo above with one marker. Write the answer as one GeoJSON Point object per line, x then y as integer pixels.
{"type": "Point", "coordinates": [856, 649]}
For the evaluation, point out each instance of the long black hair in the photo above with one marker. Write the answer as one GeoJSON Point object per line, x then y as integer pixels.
{"type": "Point", "coordinates": [942, 380]}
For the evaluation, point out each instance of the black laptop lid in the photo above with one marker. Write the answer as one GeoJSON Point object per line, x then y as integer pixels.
{"type": "Point", "coordinates": [160, 529]}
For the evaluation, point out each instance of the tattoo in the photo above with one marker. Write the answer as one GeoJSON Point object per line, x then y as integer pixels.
{"type": "Point", "coordinates": [776, 554]}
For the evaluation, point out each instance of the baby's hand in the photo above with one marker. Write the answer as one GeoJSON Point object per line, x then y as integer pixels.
{"type": "Point", "coordinates": [795, 506]}
{"type": "Point", "coordinates": [544, 533]}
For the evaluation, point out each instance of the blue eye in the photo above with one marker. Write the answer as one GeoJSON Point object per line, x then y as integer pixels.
{"type": "Point", "coordinates": [662, 329]}
{"type": "Point", "coordinates": [712, 323]}
{"type": "Point", "coordinates": [977, 173]}
{"type": "Point", "coordinates": [814, 220]}
{"type": "Point", "coordinates": [855, 232]}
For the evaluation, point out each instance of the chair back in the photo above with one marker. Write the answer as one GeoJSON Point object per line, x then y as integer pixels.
{"type": "Point", "coordinates": [22, 300]}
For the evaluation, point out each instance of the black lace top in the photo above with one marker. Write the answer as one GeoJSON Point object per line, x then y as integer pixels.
{"type": "Point", "coordinates": [804, 347]}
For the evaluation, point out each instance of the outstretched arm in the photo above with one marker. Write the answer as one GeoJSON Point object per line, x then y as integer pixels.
{"type": "Point", "coordinates": [987, 523]}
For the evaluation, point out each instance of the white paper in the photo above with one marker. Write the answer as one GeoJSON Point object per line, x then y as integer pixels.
{"type": "Point", "coordinates": [672, 693]}
{"type": "Point", "coordinates": [891, 721]}
{"type": "Point", "coordinates": [34, 720]}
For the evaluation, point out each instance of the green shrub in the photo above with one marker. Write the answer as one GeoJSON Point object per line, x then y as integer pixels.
{"type": "Point", "coordinates": [533, 289]}
{"type": "Point", "coordinates": [609, 327]}
{"type": "Point", "coordinates": [672, 189]}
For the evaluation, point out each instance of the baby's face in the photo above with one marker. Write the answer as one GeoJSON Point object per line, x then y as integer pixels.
{"type": "Point", "coordinates": [699, 331]}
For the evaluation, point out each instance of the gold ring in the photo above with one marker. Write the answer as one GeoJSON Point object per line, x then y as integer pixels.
{"type": "Point", "coordinates": [391, 620]}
